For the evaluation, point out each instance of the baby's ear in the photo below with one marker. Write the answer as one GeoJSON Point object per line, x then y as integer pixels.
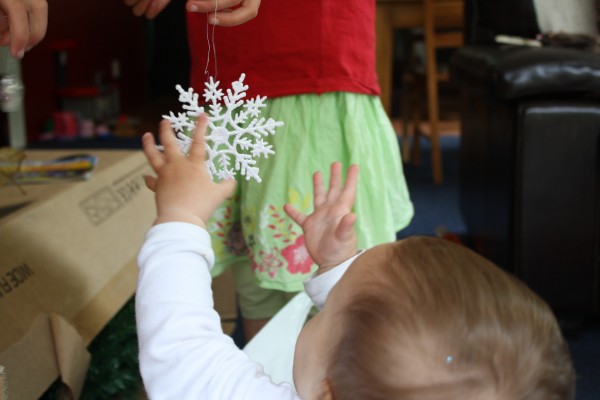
{"type": "Point", "coordinates": [325, 391]}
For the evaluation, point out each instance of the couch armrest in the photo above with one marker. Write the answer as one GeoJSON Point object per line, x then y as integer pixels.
{"type": "Point", "coordinates": [511, 72]}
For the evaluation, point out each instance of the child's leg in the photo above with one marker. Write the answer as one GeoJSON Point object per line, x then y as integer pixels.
{"type": "Point", "coordinates": [257, 305]}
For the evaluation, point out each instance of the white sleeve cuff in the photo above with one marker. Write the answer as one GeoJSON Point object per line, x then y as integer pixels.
{"type": "Point", "coordinates": [318, 286]}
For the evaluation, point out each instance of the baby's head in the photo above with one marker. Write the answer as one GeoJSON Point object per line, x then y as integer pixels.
{"type": "Point", "coordinates": [424, 318]}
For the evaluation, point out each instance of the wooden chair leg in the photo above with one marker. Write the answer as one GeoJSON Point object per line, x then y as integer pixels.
{"type": "Point", "coordinates": [434, 138]}
{"type": "Point", "coordinates": [433, 114]}
{"type": "Point", "coordinates": [416, 144]}
{"type": "Point", "coordinates": [434, 133]}
{"type": "Point", "coordinates": [405, 144]}
{"type": "Point", "coordinates": [406, 112]}
{"type": "Point", "coordinates": [436, 160]}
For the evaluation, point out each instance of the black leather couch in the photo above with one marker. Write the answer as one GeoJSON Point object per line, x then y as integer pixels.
{"type": "Point", "coordinates": [530, 155]}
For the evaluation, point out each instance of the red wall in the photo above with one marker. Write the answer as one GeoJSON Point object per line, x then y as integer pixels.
{"type": "Point", "coordinates": [103, 30]}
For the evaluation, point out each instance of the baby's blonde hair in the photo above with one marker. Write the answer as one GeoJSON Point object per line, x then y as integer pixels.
{"type": "Point", "coordinates": [437, 321]}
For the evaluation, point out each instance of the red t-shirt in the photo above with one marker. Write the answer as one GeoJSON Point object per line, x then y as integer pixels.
{"type": "Point", "coordinates": [291, 47]}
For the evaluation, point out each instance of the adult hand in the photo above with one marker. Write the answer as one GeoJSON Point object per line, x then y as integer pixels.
{"type": "Point", "coordinates": [148, 8]}
{"type": "Point", "coordinates": [184, 190]}
{"type": "Point", "coordinates": [226, 12]}
{"type": "Point", "coordinates": [23, 24]}
{"type": "Point", "coordinates": [329, 231]}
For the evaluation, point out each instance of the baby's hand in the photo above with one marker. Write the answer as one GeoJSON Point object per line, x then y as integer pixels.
{"type": "Point", "coordinates": [329, 231]}
{"type": "Point", "coordinates": [184, 190]}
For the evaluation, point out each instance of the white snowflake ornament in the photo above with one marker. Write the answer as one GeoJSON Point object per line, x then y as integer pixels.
{"type": "Point", "coordinates": [235, 135]}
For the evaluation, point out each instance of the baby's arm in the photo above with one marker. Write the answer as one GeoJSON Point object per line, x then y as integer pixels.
{"type": "Point", "coordinates": [184, 354]}
{"type": "Point", "coordinates": [329, 231]}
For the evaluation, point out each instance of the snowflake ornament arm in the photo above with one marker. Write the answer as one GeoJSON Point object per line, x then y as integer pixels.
{"type": "Point", "coordinates": [236, 131]}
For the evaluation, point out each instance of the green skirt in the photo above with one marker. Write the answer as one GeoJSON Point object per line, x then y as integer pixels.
{"type": "Point", "coordinates": [319, 129]}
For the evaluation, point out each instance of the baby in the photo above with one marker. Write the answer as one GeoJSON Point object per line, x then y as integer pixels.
{"type": "Point", "coordinates": [421, 318]}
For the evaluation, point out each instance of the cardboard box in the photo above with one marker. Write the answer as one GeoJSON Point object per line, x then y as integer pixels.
{"type": "Point", "coordinates": [67, 265]}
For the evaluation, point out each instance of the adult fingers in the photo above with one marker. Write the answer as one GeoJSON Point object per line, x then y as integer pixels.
{"type": "Point", "coordinates": [5, 39]}
{"type": "Point", "coordinates": [205, 6]}
{"type": "Point", "coordinates": [226, 12]}
{"type": "Point", "coordinates": [140, 7]}
{"type": "Point", "coordinates": [197, 151]}
{"type": "Point", "coordinates": [154, 157]}
{"type": "Point", "coordinates": [155, 8]}
{"type": "Point", "coordinates": [18, 22]}
{"type": "Point", "coordinates": [235, 16]}
{"type": "Point", "coordinates": [38, 22]}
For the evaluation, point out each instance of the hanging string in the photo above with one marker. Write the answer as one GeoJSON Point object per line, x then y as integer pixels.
{"type": "Point", "coordinates": [211, 44]}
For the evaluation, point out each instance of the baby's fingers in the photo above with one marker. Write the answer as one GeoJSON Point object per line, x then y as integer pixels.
{"type": "Point", "coordinates": [198, 149]}
{"type": "Point", "coordinates": [318, 190]}
{"type": "Point", "coordinates": [335, 180]}
{"type": "Point", "coordinates": [150, 182]}
{"type": "Point", "coordinates": [228, 187]}
{"type": "Point", "coordinates": [154, 157]}
{"type": "Point", "coordinates": [296, 216]}
{"type": "Point", "coordinates": [168, 140]}
{"type": "Point", "coordinates": [349, 190]}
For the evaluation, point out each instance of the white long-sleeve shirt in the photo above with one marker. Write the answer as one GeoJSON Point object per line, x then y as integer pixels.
{"type": "Point", "coordinates": [184, 353]}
